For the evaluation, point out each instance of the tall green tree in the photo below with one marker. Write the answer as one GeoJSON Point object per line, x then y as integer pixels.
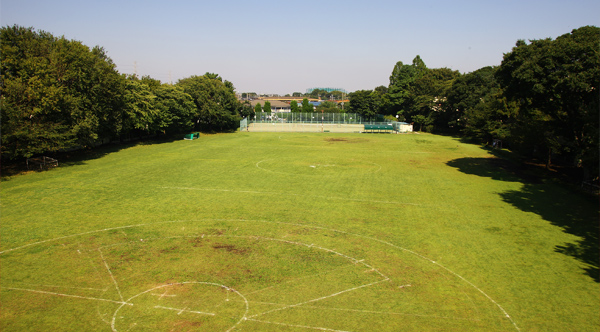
{"type": "Point", "coordinates": [246, 110]}
{"type": "Point", "coordinates": [364, 103]}
{"type": "Point", "coordinates": [401, 81]}
{"type": "Point", "coordinates": [382, 101]}
{"type": "Point", "coordinates": [267, 106]}
{"type": "Point", "coordinates": [217, 106]}
{"type": "Point", "coordinates": [152, 83]}
{"type": "Point", "coordinates": [175, 109]}
{"type": "Point", "coordinates": [140, 114]}
{"type": "Point", "coordinates": [328, 107]}
{"type": "Point", "coordinates": [56, 93]}
{"type": "Point", "coordinates": [428, 97]}
{"type": "Point", "coordinates": [476, 107]}
{"type": "Point", "coordinates": [555, 86]}
{"type": "Point", "coordinates": [306, 106]}
{"type": "Point", "coordinates": [421, 120]}
{"type": "Point", "coordinates": [294, 106]}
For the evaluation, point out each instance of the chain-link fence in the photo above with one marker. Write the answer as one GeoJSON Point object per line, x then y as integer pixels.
{"type": "Point", "coordinates": [296, 117]}
{"type": "Point", "coordinates": [308, 122]}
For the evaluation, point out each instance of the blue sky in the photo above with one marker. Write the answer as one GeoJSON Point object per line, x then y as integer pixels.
{"type": "Point", "coordinates": [287, 46]}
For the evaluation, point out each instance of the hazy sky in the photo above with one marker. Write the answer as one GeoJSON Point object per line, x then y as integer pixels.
{"type": "Point", "coordinates": [287, 46]}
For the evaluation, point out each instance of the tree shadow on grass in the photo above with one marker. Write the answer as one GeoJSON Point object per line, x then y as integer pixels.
{"type": "Point", "coordinates": [79, 156]}
{"type": "Point", "coordinates": [495, 168]}
{"type": "Point", "coordinates": [574, 212]}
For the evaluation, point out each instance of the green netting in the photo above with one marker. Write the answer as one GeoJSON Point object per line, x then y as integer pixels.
{"type": "Point", "coordinates": [244, 124]}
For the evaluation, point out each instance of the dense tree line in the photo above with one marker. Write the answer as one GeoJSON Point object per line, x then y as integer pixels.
{"type": "Point", "coordinates": [543, 100]}
{"type": "Point", "coordinates": [58, 94]}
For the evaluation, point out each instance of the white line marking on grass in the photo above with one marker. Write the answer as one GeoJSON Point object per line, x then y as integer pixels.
{"type": "Point", "coordinates": [185, 310]}
{"type": "Point", "coordinates": [452, 272]}
{"type": "Point", "coordinates": [318, 299]}
{"type": "Point", "coordinates": [69, 236]}
{"type": "Point", "coordinates": [71, 287]}
{"type": "Point", "coordinates": [376, 165]}
{"type": "Point", "coordinates": [160, 296]}
{"type": "Point", "coordinates": [312, 245]}
{"type": "Point", "coordinates": [272, 222]}
{"type": "Point", "coordinates": [297, 279]}
{"type": "Point", "coordinates": [111, 275]}
{"type": "Point", "coordinates": [352, 259]}
{"type": "Point", "coordinates": [400, 248]}
{"type": "Point", "coordinates": [90, 232]}
{"type": "Point", "coordinates": [112, 324]}
{"type": "Point", "coordinates": [68, 295]}
{"type": "Point", "coordinates": [389, 313]}
{"type": "Point", "coordinates": [301, 326]}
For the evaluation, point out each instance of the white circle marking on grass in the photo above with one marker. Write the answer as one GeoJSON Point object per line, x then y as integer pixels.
{"type": "Point", "coordinates": [505, 313]}
{"type": "Point", "coordinates": [180, 310]}
{"type": "Point", "coordinates": [352, 260]}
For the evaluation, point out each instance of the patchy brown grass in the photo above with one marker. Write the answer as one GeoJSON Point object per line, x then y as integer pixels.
{"type": "Point", "coordinates": [345, 140]}
{"type": "Point", "coordinates": [185, 325]}
{"type": "Point", "coordinates": [230, 248]}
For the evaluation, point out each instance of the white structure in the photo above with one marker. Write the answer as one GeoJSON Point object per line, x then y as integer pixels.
{"type": "Point", "coordinates": [403, 127]}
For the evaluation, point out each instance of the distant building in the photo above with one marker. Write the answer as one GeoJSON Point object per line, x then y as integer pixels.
{"type": "Point", "coordinates": [276, 105]}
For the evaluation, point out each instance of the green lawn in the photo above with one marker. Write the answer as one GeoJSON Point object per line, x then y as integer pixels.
{"type": "Point", "coordinates": [296, 232]}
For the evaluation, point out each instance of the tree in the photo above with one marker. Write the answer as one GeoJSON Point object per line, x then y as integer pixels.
{"type": "Point", "coordinates": [56, 93]}
{"type": "Point", "coordinates": [317, 93]}
{"type": "Point", "coordinates": [294, 106]}
{"type": "Point", "coordinates": [328, 107]}
{"type": "Point", "coordinates": [363, 102]}
{"type": "Point", "coordinates": [382, 101]}
{"type": "Point", "coordinates": [257, 108]}
{"type": "Point", "coordinates": [306, 106]}
{"type": "Point", "coordinates": [421, 120]}
{"type": "Point", "coordinates": [217, 106]}
{"type": "Point", "coordinates": [401, 79]}
{"type": "Point", "coordinates": [428, 97]}
{"type": "Point", "coordinates": [246, 110]}
{"type": "Point", "coordinates": [175, 109]}
{"type": "Point", "coordinates": [152, 83]}
{"type": "Point", "coordinates": [139, 112]}
{"type": "Point", "coordinates": [267, 106]}
{"type": "Point", "coordinates": [554, 84]}
{"type": "Point", "coordinates": [476, 107]}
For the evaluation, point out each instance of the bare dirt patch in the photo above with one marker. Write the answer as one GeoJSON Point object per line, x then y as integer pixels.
{"type": "Point", "coordinates": [185, 325]}
{"type": "Point", "coordinates": [345, 140]}
{"type": "Point", "coordinates": [230, 248]}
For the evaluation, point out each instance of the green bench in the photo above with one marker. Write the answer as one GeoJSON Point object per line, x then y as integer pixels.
{"type": "Point", "coordinates": [191, 136]}
{"type": "Point", "coordinates": [372, 128]}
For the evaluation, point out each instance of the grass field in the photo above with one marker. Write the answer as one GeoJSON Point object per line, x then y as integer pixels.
{"type": "Point", "coordinates": [296, 232]}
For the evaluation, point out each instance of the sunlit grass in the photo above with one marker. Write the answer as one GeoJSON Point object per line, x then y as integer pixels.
{"type": "Point", "coordinates": [294, 231]}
